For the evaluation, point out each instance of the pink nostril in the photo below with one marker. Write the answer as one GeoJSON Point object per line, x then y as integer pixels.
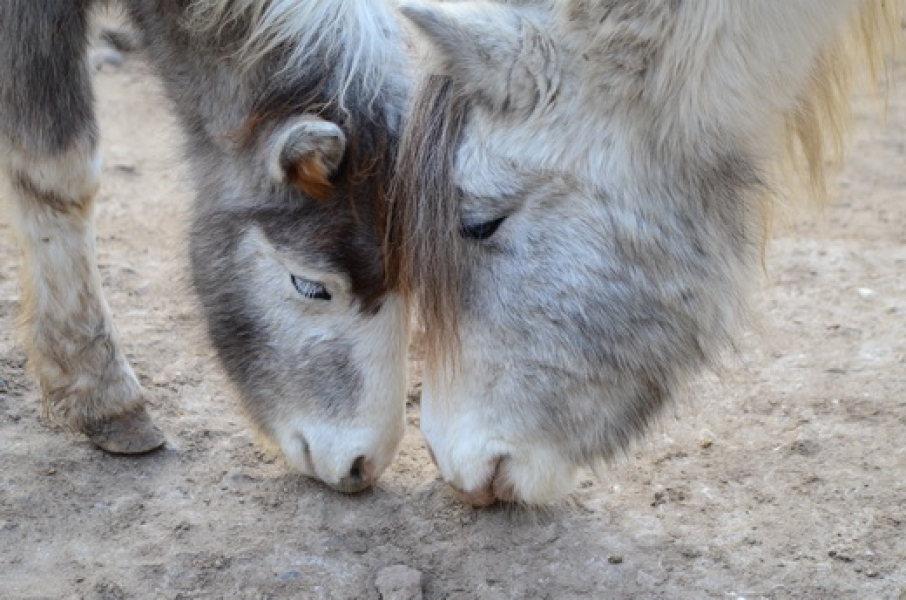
{"type": "Point", "coordinates": [504, 489]}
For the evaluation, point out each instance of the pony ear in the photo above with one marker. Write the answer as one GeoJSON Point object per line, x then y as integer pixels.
{"type": "Point", "coordinates": [306, 152]}
{"type": "Point", "coordinates": [479, 45]}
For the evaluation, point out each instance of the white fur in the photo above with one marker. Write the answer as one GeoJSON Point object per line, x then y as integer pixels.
{"type": "Point", "coordinates": [361, 34]}
{"type": "Point", "coordinates": [626, 107]}
{"type": "Point", "coordinates": [468, 437]}
{"type": "Point", "coordinates": [375, 428]}
{"type": "Point", "coordinates": [737, 67]}
{"type": "Point", "coordinates": [72, 349]}
{"type": "Point", "coordinates": [76, 174]}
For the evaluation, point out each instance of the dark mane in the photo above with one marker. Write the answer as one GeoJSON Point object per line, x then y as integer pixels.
{"type": "Point", "coordinates": [424, 249]}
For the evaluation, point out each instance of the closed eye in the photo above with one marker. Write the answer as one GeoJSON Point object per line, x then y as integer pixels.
{"type": "Point", "coordinates": [310, 289]}
{"type": "Point", "coordinates": [482, 230]}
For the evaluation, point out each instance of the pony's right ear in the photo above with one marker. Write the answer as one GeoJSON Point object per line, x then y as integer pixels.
{"type": "Point", "coordinates": [305, 152]}
{"type": "Point", "coordinates": [485, 47]}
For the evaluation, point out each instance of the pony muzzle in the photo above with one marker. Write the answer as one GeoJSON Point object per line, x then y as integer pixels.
{"type": "Point", "coordinates": [348, 461]}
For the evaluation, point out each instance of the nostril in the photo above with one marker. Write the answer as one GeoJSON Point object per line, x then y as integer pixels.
{"type": "Point", "coordinates": [358, 468]}
{"type": "Point", "coordinates": [359, 477]}
{"type": "Point", "coordinates": [300, 439]}
{"type": "Point", "coordinates": [306, 454]}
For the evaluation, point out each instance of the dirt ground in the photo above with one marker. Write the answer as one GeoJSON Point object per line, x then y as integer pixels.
{"type": "Point", "coordinates": [782, 475]}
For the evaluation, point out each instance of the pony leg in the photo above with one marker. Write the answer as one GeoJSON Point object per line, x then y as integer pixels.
{"type": "Point", "coordinates": [48, 151]}
{"type": "Point", "coordinates": [85, 379]}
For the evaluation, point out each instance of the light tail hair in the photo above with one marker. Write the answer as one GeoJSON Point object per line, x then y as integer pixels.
{"type": "Point", "coordinates": [816, 129]}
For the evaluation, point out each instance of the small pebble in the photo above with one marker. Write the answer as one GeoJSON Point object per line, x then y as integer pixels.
{"type": "Point", "coordinates": [615, 560]}
{"type": "Point", "coordinates": [399, 582]}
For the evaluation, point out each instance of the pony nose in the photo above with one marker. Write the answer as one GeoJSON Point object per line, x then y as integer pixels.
{"type": "Point", "coordinates": [497, 487]}
{"type": "Point", "coordinates": [359, 477]}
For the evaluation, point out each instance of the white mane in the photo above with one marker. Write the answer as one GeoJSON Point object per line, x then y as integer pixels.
{"type": "Point", "coordinates": [787, 99]}
{"type": "Point", "coordinates": [358, 39]}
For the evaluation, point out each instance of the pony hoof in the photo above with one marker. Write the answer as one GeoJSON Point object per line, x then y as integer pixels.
{"type": "Point", "coordinates": [131, 433]}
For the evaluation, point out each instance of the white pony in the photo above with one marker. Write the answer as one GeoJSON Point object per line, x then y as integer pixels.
{"type": "Point", "coordinates": [585, 187]}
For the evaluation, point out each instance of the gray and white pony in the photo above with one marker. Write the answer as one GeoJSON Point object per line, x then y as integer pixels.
{"type": "Point", "coordinates": [585, 238]}
{"type": "Point", "coordinates": [291, 111]}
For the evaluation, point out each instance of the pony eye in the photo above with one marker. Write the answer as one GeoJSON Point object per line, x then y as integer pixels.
{"type": "Point", "coordinates": [481, 231]}
{"type": "Point", "coordinates": [310, 289]}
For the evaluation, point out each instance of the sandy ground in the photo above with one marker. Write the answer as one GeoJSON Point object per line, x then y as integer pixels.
{"type": "Point", "coordinates": [783, 475]}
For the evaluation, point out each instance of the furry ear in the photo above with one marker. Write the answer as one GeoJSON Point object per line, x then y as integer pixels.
{"type": "Point", "coordinates": [491, 50]}
{"type": "Point", "coordinates": [306, 151]}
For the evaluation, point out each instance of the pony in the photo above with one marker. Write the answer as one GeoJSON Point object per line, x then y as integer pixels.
{"type": "Point", "coordinates": [291, 112]}
{"type": "Point", "coordinates": [584, 190]}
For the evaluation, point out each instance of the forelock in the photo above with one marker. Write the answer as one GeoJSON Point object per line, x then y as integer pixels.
{"type": "Point", "coordinates": [424, 248]}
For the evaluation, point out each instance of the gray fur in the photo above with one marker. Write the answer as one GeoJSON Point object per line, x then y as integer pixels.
{"type": "Point", "coordinates": [45, 91]}
{"type": "Point", "coordinates": [246, 219]}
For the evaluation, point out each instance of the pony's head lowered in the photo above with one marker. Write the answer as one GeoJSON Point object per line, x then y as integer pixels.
{"type": "Point", "coordinates": [293, 159]}
{"type": "Point", "coordinates": [584, 243]}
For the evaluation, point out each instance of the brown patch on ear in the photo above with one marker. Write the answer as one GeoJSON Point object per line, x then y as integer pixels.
{"type": "Point", "coordinates": [311, 175]}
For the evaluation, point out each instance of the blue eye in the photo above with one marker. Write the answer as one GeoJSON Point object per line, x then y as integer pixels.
{"type": "Point", "coordinates": [310, 289]}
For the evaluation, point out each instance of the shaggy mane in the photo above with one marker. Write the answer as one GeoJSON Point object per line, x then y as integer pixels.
{"type": "Point", "coordinates": [816, 130]}
{"type": "Point", "coordinates": [357, 41]}
{"type": "Point", "coordinates": [423, 249]}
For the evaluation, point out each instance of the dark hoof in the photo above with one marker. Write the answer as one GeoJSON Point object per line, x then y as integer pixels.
{"type": "Point", "coordinates": [132, 433]}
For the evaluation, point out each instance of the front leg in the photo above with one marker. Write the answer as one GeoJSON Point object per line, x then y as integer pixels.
{"type": "Point", "coordinates": [48, 159]}
{"type": "Point", "coordinates": [85, 379]}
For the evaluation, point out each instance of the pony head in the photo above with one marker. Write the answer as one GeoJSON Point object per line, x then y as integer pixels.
{"type": "Point", "coordinates": [585, 186]}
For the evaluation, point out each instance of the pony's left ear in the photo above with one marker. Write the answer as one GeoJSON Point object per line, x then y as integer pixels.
{"type": "Point", "coordinates": [305, 152]}
{"type": "Point", "coordinates": [487, 48]}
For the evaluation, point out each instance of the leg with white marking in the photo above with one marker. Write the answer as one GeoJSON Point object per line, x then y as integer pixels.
{"type": "Point", "coordinates": [49, 161]}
